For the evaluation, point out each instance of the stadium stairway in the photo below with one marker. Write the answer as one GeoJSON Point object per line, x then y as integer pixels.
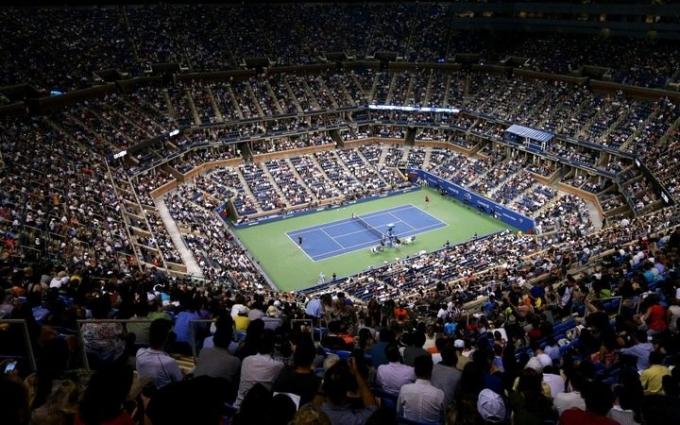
{"type": "Point", "coordinates": [293, 97]}
{"type": "Point", "coordinates": [344, 166]}
{"type": "Point", "coordinates": [188, 259]}
{"type": "Point", "coordinates": [192, 106]}
{"type": "Point", "coordinates": [383, 155]}
{"type": "Point", "coordinates": [218, 114]}
{"type": "Point", "coordinates": [272, 95]}
{"type": "Point", "coordinates": [300, 180]}
{"type": "Point", "coordinates": [335, 135]}
{"type": "Point", "coordinates": [310, 94]}
{"type": "Point", "coordinates": [234, 102]}
{"type": "Point", "coordinates": [275, 185]}
{"type": "Point", "coordinates": [253, 99]}
{"type": "Point", "coordinates": [246, 189]}
{"type": "Point", "coordinates": [410, 138]}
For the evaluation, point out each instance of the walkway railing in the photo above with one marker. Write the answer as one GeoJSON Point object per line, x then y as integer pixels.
{"type": "Point", "coordinates": [28, 345]}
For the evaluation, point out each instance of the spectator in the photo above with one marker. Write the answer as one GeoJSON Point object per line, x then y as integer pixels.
{"type": "Point", "coordinates": [310, 415]}
{"type": "Point", "coordinates": [199, 401]}
{"type": "Point", "coordinates": [183, 324]}
{"type": "Point", "coordinates": [217, 361]}
{"type": "Point", "coordinates": [14, 401]}
{"type": "Point", "coordinates": [316, 307]}
{"type": "Point", "coordinates": [459, 345]}
{"type": "Point", "coordinates": [241, 320]}
{"type": "Point", "coordinates": [378, 350]}
{"type": "Point", "coordinates": [571, 399]}
{"type": "Point", "coordinates": [393, 375]}
{"type": "Point", "coordinates": [421, 401]}
{"type": "Point", "coordinates": [626, 409]}
{"type": "Point", "coordinates": [153, 362]}
{"type": "Point", "coordinates": [251, 344]}
{"type": "Point", "coordinates": [529, 405]}
{"type": "Point", "coordinates": [491, 407]}
{"type": "Point", "coordinates": [260, 368]}
{"type": "Point", "coordinates": [445, 376]}
{"type": "Point", "coordinates": [553, 380]}
{"type": "Point", "coordinates": [655, 316]}
{"type": "Point", "coordinates": [599, 400]}
{"type": "Point", "coordinates": [338, 381]}
{"type": "Point", "coordinates": [640, 350]}
{"type": "Point", "coordinates": [414, 347]}
{"type": "Point", "coordinates": [652, 377]}
{"type": "Point", "coordinates": [103, 341]}
{"type": "Point", "coordinates": [103, 400]}
{"type": "Point", "coordinates": [300, 378]}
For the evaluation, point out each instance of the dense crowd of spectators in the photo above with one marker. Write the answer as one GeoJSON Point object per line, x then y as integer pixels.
{"type": "Point", "coordinates": [584, 332]}
{"type": "Point", "coordinates": [85, 42]}
{"type": "Point", "coordinates": [577, 324]}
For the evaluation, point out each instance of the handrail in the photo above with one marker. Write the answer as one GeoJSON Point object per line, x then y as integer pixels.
{"type": "Point", "coordinates": [81, 339]}
{"type": "Point", "coordinates": [192, 335]}
{"type": "Point", "coordinates": [27, 337]}
{"type": "Point", "coordinates": [617, 297]}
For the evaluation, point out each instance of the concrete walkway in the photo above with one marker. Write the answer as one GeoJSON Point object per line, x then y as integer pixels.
{"type": "Point", "coordinates": [595, 216]}
{"type": "Point", "coordinates": [187, 257]}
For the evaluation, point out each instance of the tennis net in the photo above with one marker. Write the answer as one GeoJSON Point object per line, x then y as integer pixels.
{"type": "Point", "coordinates": [372, 229]}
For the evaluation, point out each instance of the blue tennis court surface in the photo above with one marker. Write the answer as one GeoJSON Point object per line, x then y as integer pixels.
{"type": "Point", "coordinates": [343, 236]}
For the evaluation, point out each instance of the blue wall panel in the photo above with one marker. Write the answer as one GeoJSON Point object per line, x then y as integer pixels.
{"type": "Point", "coordinates": [478, 201]}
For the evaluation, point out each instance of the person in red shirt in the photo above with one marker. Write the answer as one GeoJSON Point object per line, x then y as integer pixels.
{"type": "Point", "coordinates": [400, 313]}
{"type": "Point", "coordinates": [599, 400]}
{"type": "Point", "coordinates": [655, 316]}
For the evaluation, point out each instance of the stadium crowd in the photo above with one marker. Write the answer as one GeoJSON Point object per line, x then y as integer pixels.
{"type": "Point", "coordinates": [575, 324]}
{"type": "Point", "coordinates": [214, 37]}
{"type": "Point", "coordinates": [584, 332]}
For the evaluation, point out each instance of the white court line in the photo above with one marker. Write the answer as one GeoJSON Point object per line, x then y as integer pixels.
{"type": "Point", "coordinates": [299, 247]}
{"type": "Point", "coordinates": [402, 221]}
{"type": "Point", "coordinates": [440, 224]}
{"type": "Point", "coordinates": [351, 247]}
{"type": "Point", "coordinates": [330, 237]}
{"type": "Point", "coordinates": [346, 220]}
{"type": "Point", "coordinates": [347, 249]}
{"type": "Point", "coordinates": [425, 212]}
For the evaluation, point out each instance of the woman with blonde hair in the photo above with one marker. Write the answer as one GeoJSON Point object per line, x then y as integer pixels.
{"type": "Point", "coordinates": [310, 415]}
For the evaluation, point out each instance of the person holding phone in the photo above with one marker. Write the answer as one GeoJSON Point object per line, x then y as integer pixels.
{"type": "Point", "coordinates": [341, 378]}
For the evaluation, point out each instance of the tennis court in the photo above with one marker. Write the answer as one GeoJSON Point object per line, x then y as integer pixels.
{"type": "Point", "coordinates": [339, 237]}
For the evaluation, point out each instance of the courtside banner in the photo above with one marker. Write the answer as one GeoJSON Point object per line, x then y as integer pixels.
{"type": "Point", "coordinates": [474, 199]}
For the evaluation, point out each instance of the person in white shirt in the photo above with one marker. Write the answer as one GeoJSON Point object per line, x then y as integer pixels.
{"type": "Point", "coordinates": [443, 312]}
{"type": "Point", "coordinates": [553, 379]}
{"type": "Point", "coordinates": [260, 368]}
{"type": "Point", "coordinates": [393, 375]}
{"type": "Point", "coordinates": [674, 313]}
{"type": "Point", "coordinates": [59, 280]}
{"type": "Point", "coordinates": [238, 306]}
{"type": "Point", "coordinates": [154, 363]}
{"type": "Point", "coordinates": [570, 399]}
{"type": "Point", "coordinates": [565, 299]}
{"type": "Point", "coordinates": [421, 401]}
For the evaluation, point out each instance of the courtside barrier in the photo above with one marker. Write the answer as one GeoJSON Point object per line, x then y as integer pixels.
{"type": "Point", "coordinates": [474, 199]}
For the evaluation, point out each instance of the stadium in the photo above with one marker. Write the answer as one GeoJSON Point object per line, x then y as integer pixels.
{"type": "Point", "coordinates": [340, 213]}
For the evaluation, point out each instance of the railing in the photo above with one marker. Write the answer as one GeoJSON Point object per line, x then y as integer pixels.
{"type": "Point", "coordinates": [29, 355]}
{"type": "Point", "coordinates": [81, 339]}
{"type": "Point", "coordinates": [192, 334]}
{"type": "Point", "coordinates": [603, 301]}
